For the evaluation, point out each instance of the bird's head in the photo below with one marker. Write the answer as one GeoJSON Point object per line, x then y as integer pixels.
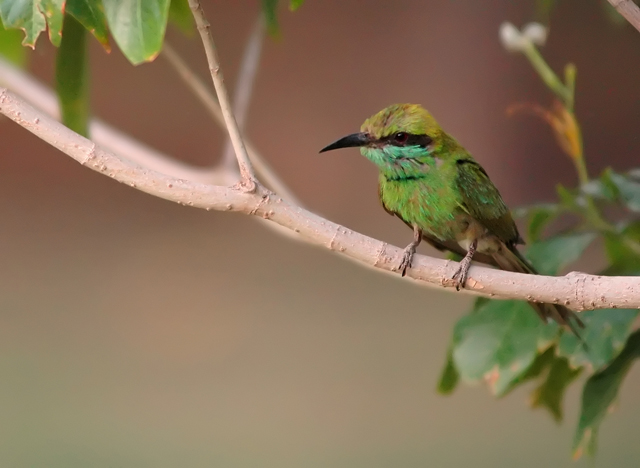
{"type": "Point", "coordinates": [398, 133]}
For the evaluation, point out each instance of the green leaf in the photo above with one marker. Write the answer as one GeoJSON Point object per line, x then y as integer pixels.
{"type": "Point", "coordinates": [449, 378]}
{"type": "Point", "coordinates": [568, 198]}
{"type": "Point", "coordinates": [90, 14]}
{"type": "Point", "coordinates": [138, 26]}
{"type": "Point", "coordinates": [623, 251]}
{"type": "Point", "coordinates": [551, 255]}
{"type": "Point", "coordinates": [53, 12]}
{"type": "Point", "coordinates": [33, 16]}
{"type": "Point", "coordinates": [497, 343]}
{"type": "Point", "coordinates": [295, 4]}
{"type": "Point", "coordinates": [599, 394]}
{"type": "Point", "coordinates": [10, 46]}
{"type": "Point", "coordinates": [539, 217]}
{"type": "Point", "coordinates": [538, 367]}
{"type": "Point", "coordinates": [628, 189]}
{"type": "Point", "coordinates": [605, 332]}
{"type": "Point", "coordinates": [180, 15]}
{"type": "Point", "coordinates": [270, 11]}
{"type": "Point", "coordinates": [72, 77]}
{"type": "Point", "coordinates": [550, 392]}
{"type": "Point", "coordinates": [601, 188]}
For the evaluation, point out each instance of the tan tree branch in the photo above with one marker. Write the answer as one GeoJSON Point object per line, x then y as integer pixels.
{"type": "Point", "coordinates": [629, 10]}
{"type": "Point", "coordinates": [244, 85]}
{"type": "Point", "coordinates": [204, 28]}
{"type": "Point", "coordinates": [577, 290]}
{"type": "Point", "coordinates": [201, 91]}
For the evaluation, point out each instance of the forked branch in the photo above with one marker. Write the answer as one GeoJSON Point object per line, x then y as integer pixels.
{"type": "Point", "coordinates": [577, 290]}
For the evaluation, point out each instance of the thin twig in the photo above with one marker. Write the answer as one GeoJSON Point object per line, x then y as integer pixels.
{"type": "Point", "coordinates": [197, 86]}
{"type": "Point", "coordinates": [577, 290]}
{"type": "Point", "coordinates": [244, 85]}
{"type": "Point", "coordinates": [204, 28]}
{"type": "Point", "coordinates": [629, 10]}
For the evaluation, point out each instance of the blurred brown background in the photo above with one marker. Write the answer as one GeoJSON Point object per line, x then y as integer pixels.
{"type": "Point", "coordinates": [138, 333]}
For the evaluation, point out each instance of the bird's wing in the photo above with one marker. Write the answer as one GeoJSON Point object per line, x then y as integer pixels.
{"type": "Point", "coordinates": [481, 199]}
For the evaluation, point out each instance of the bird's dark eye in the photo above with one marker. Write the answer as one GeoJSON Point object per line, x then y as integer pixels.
{"type": "Point", "coordinates": [401, 137]}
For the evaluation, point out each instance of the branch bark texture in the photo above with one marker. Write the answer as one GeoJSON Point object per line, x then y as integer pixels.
{"type": "Point", "coordinates": [578, 291]}
{"type": "Point", "coordinates": [204, 28]}
{"type": "Point", "coordinates": [629, 10]}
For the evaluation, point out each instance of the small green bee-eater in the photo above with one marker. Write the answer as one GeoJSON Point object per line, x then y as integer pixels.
{"type": "Point", "coordinates": [429, 181]}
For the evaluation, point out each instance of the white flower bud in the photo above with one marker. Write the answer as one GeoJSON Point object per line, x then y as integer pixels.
{"type": "Point", "coordinates": [511, 38]}
{"type": "Point", "coordinates": [536, 33]}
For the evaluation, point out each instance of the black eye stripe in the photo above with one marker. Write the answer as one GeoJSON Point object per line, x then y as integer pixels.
{"type": "Point", "coordinates": [411, 140]}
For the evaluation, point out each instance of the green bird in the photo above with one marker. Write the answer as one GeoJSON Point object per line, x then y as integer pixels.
{"type": "Point", "coordinates": [429, 181]}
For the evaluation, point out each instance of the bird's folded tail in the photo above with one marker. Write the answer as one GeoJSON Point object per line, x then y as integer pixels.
{"type": "Point", "coordinates": [511, 260]}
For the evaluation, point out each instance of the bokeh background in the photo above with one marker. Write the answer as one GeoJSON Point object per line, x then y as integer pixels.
{"type": "Point", "coordinates": [138, 333]}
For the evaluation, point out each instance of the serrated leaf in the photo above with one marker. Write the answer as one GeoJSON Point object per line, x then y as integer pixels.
{"type": "Point", "coordinates": [295, 4]}
{"type": "Point", "coordinates": [33, 16]}
{"type": "Point", "coordinates": [90, 14]}
{"type": "Point", "coordinates": [180, 15]}
{"type": "Point", "coordinates": [53, 12]}
{"type": "Point", "coordinates": [550, 392]}
{"type": "Point", "coordinates": [605, 332]}
{"type": "Point", "coordinates": [138, 26]}
{"type": "Point", "coordinates": [11, 47]}
{"type": "Point", "coordinates": [449, 378]}
{"type": "Point", "coordinates": [497, 343]}
{"type": "Point", "coordinates": [599, 394]}
{"type": "Point", "coordinates": [553, 254]}
{"type": "Point", "coordinates": [270, 12]}
{"type": "Point", "coordinates": [72, 80]}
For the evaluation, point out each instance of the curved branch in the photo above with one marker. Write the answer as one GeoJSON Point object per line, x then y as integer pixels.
{"type": "Point", "coordinates": [43, 98]}
{"type": "Point", "coordinates": [576, 290]}
{"type": "Point", "coordinates": [198, 88]}
{"type": "Point", "coordinates": [629, 10]}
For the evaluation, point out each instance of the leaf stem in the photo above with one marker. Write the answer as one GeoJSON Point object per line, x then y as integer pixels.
{"type": "Point", "coordinates": [547, 74]}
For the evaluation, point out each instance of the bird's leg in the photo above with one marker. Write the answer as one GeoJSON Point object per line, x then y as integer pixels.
{"type": "Point", "coordinates": [460, 276]}
{"type": "Point", "coordinates": [407, 256]}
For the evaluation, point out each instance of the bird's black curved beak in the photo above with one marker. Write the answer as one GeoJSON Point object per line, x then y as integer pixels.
{"type": "Point", "coordinates": [350, 141]}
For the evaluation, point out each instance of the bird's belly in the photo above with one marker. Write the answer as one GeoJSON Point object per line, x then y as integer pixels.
{"type": "Point", "coordinates": [487, 242]}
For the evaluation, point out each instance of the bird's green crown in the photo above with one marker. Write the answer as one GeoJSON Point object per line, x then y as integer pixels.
{"type": "Point", "coordinates": [412, 119]}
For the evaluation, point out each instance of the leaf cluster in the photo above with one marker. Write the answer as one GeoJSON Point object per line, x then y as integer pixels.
{"type": "Point", "coordinates": [136, 26]}
{"type": "Point", "coordinates": [504, 344]}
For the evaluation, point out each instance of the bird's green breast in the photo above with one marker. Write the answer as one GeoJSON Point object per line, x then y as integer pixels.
{"type": "Point", "coordinates": [427, 197]}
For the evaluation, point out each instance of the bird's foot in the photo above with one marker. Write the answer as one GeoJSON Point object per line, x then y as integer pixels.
{"type": "Point", "coordinates": [407, 257]}
{"type": "Point", "coordinates": [459, 278]}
